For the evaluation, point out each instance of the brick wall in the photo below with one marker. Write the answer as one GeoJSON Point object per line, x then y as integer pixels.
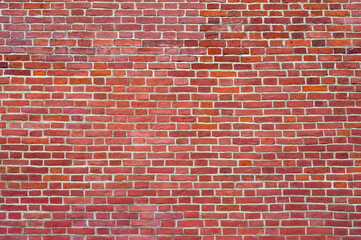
{"type": "Point", "coordinates": [180, 119]}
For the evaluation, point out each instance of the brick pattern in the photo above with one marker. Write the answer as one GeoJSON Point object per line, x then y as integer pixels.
{"type": "Point", "coordinates": [180, 119]}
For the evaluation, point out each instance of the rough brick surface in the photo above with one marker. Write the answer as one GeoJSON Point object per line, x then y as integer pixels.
{"type": "Point", "coordinates": [180, 119]}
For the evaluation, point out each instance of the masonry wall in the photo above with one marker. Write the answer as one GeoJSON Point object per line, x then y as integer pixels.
{"type": "Point", "coordinates": [180, 119]}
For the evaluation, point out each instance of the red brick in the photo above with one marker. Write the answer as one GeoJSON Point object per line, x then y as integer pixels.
{"type": "Point", "coordinates": [189, 120]}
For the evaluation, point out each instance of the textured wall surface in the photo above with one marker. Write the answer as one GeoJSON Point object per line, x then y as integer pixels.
{"type": "Point", "coordinates": [180, 119]}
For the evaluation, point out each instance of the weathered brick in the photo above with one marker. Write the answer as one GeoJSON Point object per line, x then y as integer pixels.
{"type": "Point", "coordinates": [180, 120]}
